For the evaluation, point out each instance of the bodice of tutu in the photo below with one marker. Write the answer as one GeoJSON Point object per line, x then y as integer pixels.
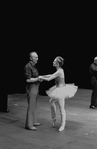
{"type": "Point", "coordinates": [59, 81]}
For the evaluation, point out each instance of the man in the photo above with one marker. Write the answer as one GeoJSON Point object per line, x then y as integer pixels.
{"type": "Point", "coordinates": [93, 72]}
{"type": "Point", "coordinates": [32, 88]}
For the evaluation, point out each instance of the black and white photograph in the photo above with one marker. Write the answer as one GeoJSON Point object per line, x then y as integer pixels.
{"type": "Point", "coordinates": [49, 75]}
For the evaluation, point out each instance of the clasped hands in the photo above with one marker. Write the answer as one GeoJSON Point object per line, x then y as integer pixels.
{"type": "Point", "coordinates": [40, 78]}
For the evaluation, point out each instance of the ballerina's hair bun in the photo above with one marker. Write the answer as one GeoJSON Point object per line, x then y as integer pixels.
{"type": "Point", "coordinates": [60, 60]}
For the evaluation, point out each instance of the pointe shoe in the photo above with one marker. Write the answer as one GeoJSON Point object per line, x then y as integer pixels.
{"type": "Point", "coordinates": [61, 128]}
{"type": "Point", "coordinates": [31, 128]}
{"type": "Point", "coordinates": [36, 124]}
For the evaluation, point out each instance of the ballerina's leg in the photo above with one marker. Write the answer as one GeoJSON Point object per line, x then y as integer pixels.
{"type": "Point", "coordinates": [62, 113]}
{"type": "Point", "coordinates": [53, 110]}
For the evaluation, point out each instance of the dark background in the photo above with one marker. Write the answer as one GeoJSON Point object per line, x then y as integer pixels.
{"type": "Point", "coordinates": [50, 29]}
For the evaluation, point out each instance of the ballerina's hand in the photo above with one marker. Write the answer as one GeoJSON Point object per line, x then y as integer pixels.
{"type": "Point", "coordinates": [40, 78]}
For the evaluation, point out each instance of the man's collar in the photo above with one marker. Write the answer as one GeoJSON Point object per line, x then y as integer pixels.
{"type": "Point", "coordinates": [95, 64]}
{"type": "Point", "coordinates": [32, 63]}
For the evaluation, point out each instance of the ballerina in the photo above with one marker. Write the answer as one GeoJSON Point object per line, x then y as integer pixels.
{"type": "Point", "coordinates": [59, 92]}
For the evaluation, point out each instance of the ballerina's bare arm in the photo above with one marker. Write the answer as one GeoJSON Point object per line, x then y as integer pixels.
{"type": "Point", "coordinates": [47, 75]}
{"type": "Point", "coordinates": [53, 76]}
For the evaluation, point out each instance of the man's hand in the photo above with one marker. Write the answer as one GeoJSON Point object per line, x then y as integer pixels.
{"type": "Point", "coordinates": [40, 78]}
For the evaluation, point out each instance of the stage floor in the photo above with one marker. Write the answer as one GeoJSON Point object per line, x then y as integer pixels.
{"type": "Point", "coordinates": [80, 131]}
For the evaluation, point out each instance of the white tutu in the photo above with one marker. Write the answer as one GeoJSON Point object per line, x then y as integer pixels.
{"type": "Point", "coordinates": [66, 91]}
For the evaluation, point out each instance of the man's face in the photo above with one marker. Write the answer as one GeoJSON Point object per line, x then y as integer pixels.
{"type": "Point", "coordinates": [34, 57]}
{"type": "Point", "coordinates": [95, 61]}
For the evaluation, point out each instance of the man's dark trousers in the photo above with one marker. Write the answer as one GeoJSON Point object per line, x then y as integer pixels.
{"type": "Point", "coordinates": [32, 93]}
{"type": "Point", "coordinates": [94, 92]}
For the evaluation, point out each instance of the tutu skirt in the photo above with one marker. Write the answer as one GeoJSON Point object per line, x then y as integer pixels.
{"type": "Point", "coordinates": [66, 91]}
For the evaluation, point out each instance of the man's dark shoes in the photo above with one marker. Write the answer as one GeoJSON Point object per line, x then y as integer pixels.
{"type": "Point", "coordinates": [31, 128]}
{"type": "Point", "coordinates": [92, 107]}
{"type": "Point", "coordinates": [36, 124]}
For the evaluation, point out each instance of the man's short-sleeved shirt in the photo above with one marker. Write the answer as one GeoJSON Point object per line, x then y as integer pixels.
{"type": "Point", "coordinates": [93, 70]}
{"type": "Point", "coordinates": [31, 71]}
